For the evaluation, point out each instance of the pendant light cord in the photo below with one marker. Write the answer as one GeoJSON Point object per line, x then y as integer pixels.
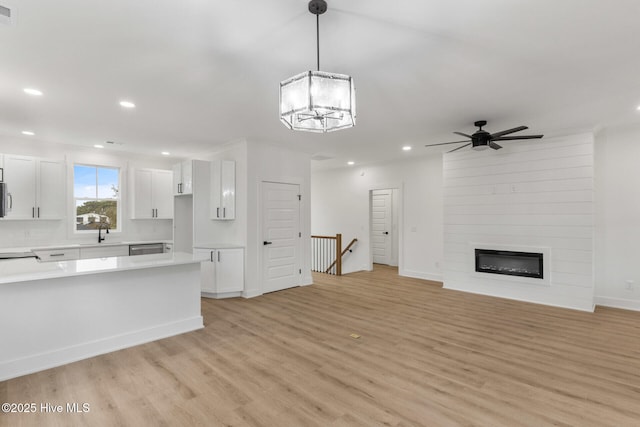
{"type": "Point", "coordinates": [318, 40]}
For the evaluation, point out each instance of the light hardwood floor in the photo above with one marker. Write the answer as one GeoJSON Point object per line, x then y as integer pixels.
{"type": "Point", "coordinates": [425, 356]}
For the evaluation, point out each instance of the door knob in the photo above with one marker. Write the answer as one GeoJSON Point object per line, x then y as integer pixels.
{"type": "Point", "coordinates": [265, 243]}
{"type": "Point", "coordinates": [385, 232]}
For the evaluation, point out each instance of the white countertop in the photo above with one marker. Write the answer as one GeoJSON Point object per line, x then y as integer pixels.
{"type": "Point", "coordinates": [81, 245]}
{"type": "Point", "coordinates": [217, 246]}
{"type": "Point", "coordinates": [26, 269]}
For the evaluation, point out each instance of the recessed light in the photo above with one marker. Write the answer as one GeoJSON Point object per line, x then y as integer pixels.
{"type": "Point", "coordinates": [406, 148]}
{"type": "Point", "coordinates": [165, 153]}
{"type": "Point", "coordinates": [32, 91]}
{"type": "Point", "coordinates": [28, 132]}
{"type": "Point", "coordinates": [350, 163]}
{"type": "Point", "coordinates": [638, 107]}
{"type": "Point", "coordinates": [127, 104]}
{"type": "Point", "coordinates": [98, 146]}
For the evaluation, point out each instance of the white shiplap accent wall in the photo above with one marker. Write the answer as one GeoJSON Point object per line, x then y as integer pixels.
{"type": "Point", "coordinates": [529, 194]}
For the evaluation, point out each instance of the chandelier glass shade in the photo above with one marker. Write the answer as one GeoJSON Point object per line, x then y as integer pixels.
{"type": "Point", "coordinates": [318, 101]}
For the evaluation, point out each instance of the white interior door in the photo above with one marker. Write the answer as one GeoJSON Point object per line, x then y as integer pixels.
{"type": "Point", "coordinates": [381, 226]}
{"type": "Point", "coordinates": [281, 232]}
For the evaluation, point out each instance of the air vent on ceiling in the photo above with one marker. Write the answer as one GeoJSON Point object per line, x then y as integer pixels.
{"type": "Point", "coordinates": [321, 157]}
{"type": "Point", "coordinates": [7, 15]}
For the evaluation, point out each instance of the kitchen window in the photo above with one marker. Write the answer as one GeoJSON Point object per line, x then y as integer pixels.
{"type": "Point", "coordinates": [96, 193]}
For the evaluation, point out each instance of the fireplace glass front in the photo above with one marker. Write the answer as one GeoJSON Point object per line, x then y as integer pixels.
{"type": "Point", "coordinates": [525, 264]}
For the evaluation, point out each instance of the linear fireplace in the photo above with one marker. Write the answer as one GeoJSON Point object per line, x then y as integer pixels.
{"type": "Point", "coordinates": [523, 264]}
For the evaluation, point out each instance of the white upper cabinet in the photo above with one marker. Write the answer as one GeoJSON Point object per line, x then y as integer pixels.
{"type": "Point", "coordinates": [36, 186]}
{"type": "Point", "coordinates": [183, 178]}
{"type": "Point", "coordinates": [151, 195]}
{"type": "Point", "coordinates": [223, 189]}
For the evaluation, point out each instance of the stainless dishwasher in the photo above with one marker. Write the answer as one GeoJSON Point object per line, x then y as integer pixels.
{"type": "Point", "coordinates": [146, 249]}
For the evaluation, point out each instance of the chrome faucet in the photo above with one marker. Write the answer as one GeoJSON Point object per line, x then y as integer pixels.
{"type": "Point", "coordinates": [100, 226]}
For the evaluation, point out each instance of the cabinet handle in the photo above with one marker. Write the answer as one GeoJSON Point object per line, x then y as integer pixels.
{"type": "Point", "coordinates": [211, 256]}
{"type": "Point", "coordinates": [33, 212]}
{"type": "Point", "coordinates": [38, 211]}
{"type": "Point", "coordinates": [217, 212]}
{"type": "Point", "coordinates": [218, 256]}
{"type": "Point", "coordinates": [156, 212]}
{"type": "Point", "coordinates": [224, 212]}
{"type": "Point", "coordinates": [265, 243]}
{"type": "Point", "coordinates": [52, 255]}
{"type": "Point", "coordinates": [10, 200]}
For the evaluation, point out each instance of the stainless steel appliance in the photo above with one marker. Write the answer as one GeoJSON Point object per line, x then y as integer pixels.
{"type": "Point", "coordinates": [146, 249]}
{"type": "Point", "coordinates": [5, 200]}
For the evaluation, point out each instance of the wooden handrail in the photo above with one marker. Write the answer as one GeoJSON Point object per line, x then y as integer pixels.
{"type": "Point", "coordinates": [341, 255]}
{"type": "Point", "coordinates": [323, 237]}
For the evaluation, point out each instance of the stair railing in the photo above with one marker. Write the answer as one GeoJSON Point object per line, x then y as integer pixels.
{"type": "Point", "coordinates": [326, 254]}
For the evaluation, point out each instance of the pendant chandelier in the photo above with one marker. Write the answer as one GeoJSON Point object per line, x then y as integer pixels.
{"type": "Point", "coordinates": [318, 101]}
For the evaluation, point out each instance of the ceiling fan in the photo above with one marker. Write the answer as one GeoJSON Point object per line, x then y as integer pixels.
{"type": "Point", "coordinates": [481, 139]}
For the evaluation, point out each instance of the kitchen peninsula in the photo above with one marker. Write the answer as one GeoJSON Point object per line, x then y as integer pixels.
{"type": "Point", "coordinates": [53, 313]}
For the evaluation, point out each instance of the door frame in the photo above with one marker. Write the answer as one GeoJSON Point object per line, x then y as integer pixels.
{"type": "Point", "coordinates": [302, 280]}
{"type": "Point", "coordinates": [399, 186]}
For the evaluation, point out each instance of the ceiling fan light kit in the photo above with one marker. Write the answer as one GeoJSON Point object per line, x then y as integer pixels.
{"type": "Point", "coordinates": [318, 101]}
{"type": "Point", "coordinates": [481, 139]}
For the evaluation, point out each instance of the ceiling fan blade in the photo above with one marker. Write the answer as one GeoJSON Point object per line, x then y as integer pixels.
{"type": "Point", "coordinates": [444, 143]}
{"type": "Point", "coordinates": [511, 138]}
{"type": "Point", "coordinates": [508, 131]}
{"type": "Point", "coordinates": [494, 145]}
{"type": "Point", "coordinates": [463, 134]}
{"type": "Point", "coordinates": [456, 149]}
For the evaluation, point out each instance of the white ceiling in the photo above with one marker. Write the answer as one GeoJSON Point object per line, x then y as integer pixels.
{"type": "Point", "coordinates": [204, 73]}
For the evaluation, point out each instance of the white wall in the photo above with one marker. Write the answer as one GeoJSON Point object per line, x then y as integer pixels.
{"type": "Point", "coordinates": [531, 196]}
{"type": "Point", "coordinates": [274, 164]}
{"type": "Point", "coordinates": [340, 204]}
{"type": "Point", "coordinates": [617, 172]}
{"type": "Point", "coordinates": [255, 162]}
{"type": "Point", "coordinates": [26, 234]}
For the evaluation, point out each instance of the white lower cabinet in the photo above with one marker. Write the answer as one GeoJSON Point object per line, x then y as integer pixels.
{"type": "Point", "coordinates": [61, 254]}
{"type": "Point", "coordinates": [221, 272]}
{"type": "Point", "coordinates": [104, 251]}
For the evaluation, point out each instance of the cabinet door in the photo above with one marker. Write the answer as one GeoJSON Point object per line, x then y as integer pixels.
{"type": "Point", "coordinates": [207, 269]}
{"type": "Point", "coordinates": [229, 270]}
{"type": "Point", "coordinates": [177, 178]}
{"type": "Point", "coordinates": [141, 200]}
{"type": "Point", "coordinates": [223, 189]}
{"type": "Point", "coordinates": [62, 254]}
{"type": "Point", "coordinates": [51, 190]}
{"type": "Point", "coordinates": [20, 176]}
{"type": "Point", "coordinates": [215, 197]}
{"type": "Point", "coordinates": [104, 251]}
{"type": "Point", "coordinates": [162, 196]}
{"type": "Point", "coordinates": [228, 189]}
{"type": "Point", "coordinates": [187, 177]}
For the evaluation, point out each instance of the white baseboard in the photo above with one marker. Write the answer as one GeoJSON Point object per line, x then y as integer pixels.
{"type": "Point", "coordinates": [251, 293]}
{"type": "Point", "coordinates": [62, 356]}
{"type": "Point", "coordinates": [221, 295]}
{"type": "Point", "coordinates": [421, 275]}
{"type": "Point", "coordinates": [568, 303]}
{"type": "Point", "coordinates": [618, 303]}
